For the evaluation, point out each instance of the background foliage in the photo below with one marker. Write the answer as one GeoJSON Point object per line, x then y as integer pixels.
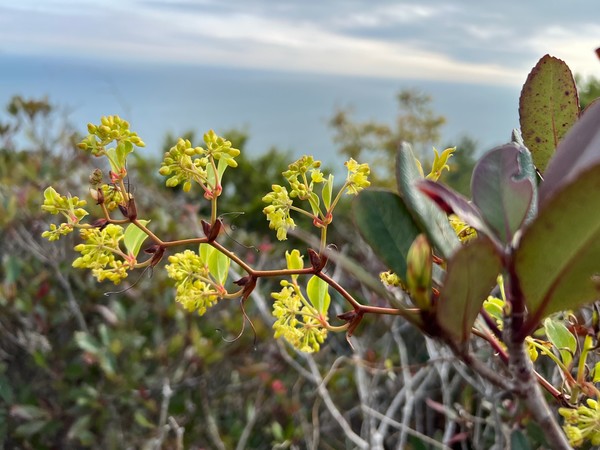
{"type": "Point", "coordinates": [83, 369]}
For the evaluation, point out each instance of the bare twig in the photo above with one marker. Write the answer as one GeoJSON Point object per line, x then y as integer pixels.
{"type": "Point", "coordinates": [405, 428]}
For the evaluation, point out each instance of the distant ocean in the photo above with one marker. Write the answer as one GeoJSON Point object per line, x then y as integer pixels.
{"type": "Point", "coordinates": [289, 111]}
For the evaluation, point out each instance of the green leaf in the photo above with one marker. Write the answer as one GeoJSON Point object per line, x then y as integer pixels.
{"type": "Point", "coordinates": [79, 427]}
{"type": "Point", "coordinates": [31, 428]}
{"type": "Point", "coordinates": [218, 265]}
{"type": "Point", "coordinates": [87, 343]}
{"type": "Point", "coordinates": [12, 268]}
{"type": "Point", "coordinates": [113, 159]}
{"type": "Point", "coordinates": [123, 149]}
{"type": "Point", "coordinates": [318, 294]}
{"type": "Point", "coordinates": [471, 275]}
{"type": "Point", "coordinates": [518, 441]}
{"type": "Point", "coordinates": [6, 392]}
{"type": "Point", "coordinates": [596, 373]}
{"type": "Point", "coordinates": [558, 258]}
{"type": "Point", "coordinates": [504, 189]}
{"type": "Point", "coordinates": [424, 211]}
{"type": "Point", "coordinates": [327, 192]}
{"type": "Point", "coordinates": [204, 251]}
{"type": "Point", "coordinates": [548, 107]}
{"type": "Point", "coordinates": [28, 412]}
{"type": "Point", "coordinates": [134, 237]}
{"type": "Point", "coordinates": [386, 224]}
{"type": "Point", "coordinates": [562, 339]}
{"type": "Point", "coordinates": [141, 420]}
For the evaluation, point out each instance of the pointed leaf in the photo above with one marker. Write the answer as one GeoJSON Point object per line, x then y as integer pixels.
{"type": "Point", "coordinates": [318, 294]}
{"type": "Point", "coordinates": [327, 192]}
{"type": "Point", "coordinates": [204, 251]}
{"type": "Point", "coordinates": [134, 238]}
{"type": "Point", "coordinates": [504, 189]}
{"type": "Point", "coordinates": [548, 107]}
{"type": "Point", "coordinates": [562, 339]}
{"type": "Point", "coordinates": [425, 213]}
{"type": "Point", "coordinates": [578, 151]}
{"type": "Point", "coordinates": [558, 259]}
{"type": "Point", "coordinates": [385, 223]}
{"type": "Point", "coordinates": [471, 275]}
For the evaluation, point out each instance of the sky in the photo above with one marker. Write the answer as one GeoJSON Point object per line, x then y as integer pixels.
{"type": "Point", "coordinates": [471, 41]}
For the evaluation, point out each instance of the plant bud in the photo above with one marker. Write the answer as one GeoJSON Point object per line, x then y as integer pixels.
{"type": "Point", "coordinates": [419, 272]}
{"type": "Point", "coordinates": [96, 177]}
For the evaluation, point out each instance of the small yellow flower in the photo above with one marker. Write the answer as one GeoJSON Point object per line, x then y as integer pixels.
{"type": "Point", "coordinates": [357, 178]}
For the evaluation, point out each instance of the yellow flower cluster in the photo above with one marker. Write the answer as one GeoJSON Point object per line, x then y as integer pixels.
{"type": "Point", "coordinates": [70, 207]}
{"type": "Point", "coordinates": [98, 253]}
{"type": "Point", "coordinates": [296, 175]}
{"type": "Point", "coordinates": [582, 424]}
{"type": "Point", "coordinates": [220, 148]}
{"type": "Point", "coordinates": [195, 289]}
{"type": "Point", "coordinates": [185, 164]}
{"type": "Point", "coordinates": [297, 322]}
{"type": "Point", "coordinates": [111, 128]}
{"type": "Point", "coordinates": [302, 176]}
{"type": "Point", "coordinates": [357, 178]}
{"type": "Point", "coordinates": [278, 211]}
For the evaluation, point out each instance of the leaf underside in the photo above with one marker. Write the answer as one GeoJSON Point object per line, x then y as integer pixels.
{"type": "Point", "coordinates": [504, 189]}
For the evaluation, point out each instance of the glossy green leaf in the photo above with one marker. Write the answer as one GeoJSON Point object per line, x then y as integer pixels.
{"type": "Point", "coordinates": [471, 275]}
{"type": "Point", "coordinates": [218, 265]}
{"type": "Point", "coordinates": [562, 339]}
{"type": "Point", "coordinates": [548, 107]}
{"type": "Point", "coordinates": [424, 211]}
{"type": "Point", "coordinates": [318, 294]}
{"type": "Point", "coordinates": [558, 259]}
{"type": "Point", "coordinates": [505, 190]}
{"type": "Point", "coordinates": [386, 224]}
{"type": "Point", "coordinates": [577, 152]}
{"type": "Point", "coordinates": [134, 237]}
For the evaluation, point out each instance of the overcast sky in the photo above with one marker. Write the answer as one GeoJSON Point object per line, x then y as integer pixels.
{"type": "Point", "coordinates": [473, 41]}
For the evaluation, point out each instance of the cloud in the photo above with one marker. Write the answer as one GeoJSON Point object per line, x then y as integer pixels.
{"type": "Point", "coordinates": [437, 41]}
{"type": "Point", "coordinates": [575, 45]}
